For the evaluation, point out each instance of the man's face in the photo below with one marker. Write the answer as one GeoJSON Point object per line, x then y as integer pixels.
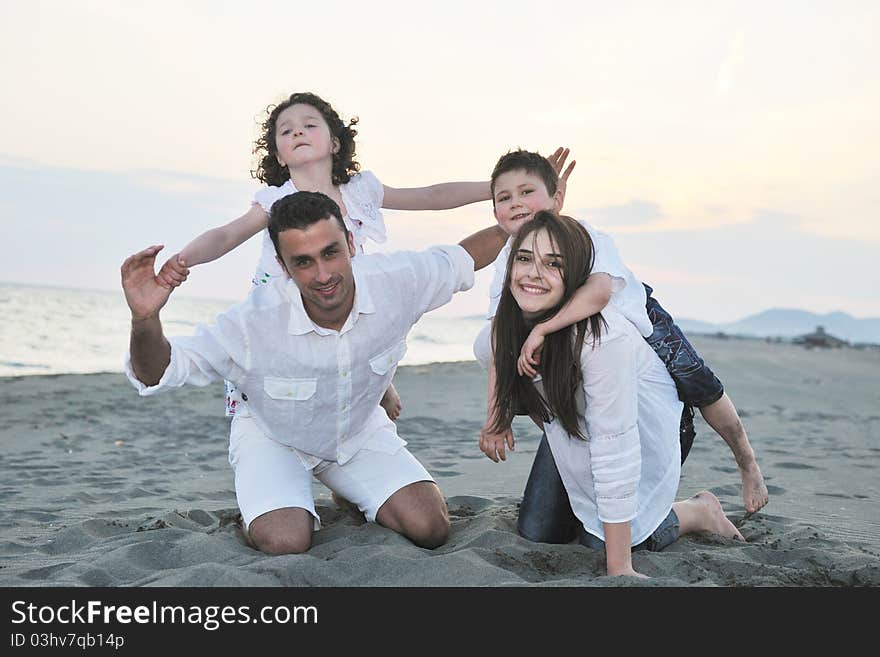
{"type": "Point", "coordinates": [518, 196]}
{"type": "Point", "coordinates": [318, 259]}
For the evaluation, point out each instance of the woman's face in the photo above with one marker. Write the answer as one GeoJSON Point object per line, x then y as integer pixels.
{"type": "Point", "coordinates": [536, 278]}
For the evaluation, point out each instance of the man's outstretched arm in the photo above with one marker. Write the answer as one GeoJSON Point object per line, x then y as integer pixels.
{"type": "Point", "coordinates": [484, 246]}
{"type": "Point", "coordinates": [150, 351]}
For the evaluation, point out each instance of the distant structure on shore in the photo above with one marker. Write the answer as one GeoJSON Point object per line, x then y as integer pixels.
{"type": "Point", "coordinates": [819, 338]}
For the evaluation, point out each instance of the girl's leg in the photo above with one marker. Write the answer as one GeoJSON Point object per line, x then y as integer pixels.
{"type": "Point", "coordinates": [703, 513]}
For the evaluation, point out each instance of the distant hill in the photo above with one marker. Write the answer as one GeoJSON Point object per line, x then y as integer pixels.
{"type": "Point", "coordinates": [784, 323]}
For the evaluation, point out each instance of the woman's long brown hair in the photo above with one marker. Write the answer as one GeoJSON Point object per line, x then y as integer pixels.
{"type": "Point", "coordinates": [560, 359]}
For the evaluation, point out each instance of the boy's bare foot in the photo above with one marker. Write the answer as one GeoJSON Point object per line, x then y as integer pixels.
{"type": "Point", "coordinates": [755, 495]}
{"type": "Point", "coordinates": [349, 507]}
{"type": "Point", "coordinates": [391, 403]}
{"type": "Point", "coordinates": [712, 518]}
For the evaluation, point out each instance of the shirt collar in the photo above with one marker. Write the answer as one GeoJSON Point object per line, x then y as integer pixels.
{"type": "Point", "coordinates": [300, 323]}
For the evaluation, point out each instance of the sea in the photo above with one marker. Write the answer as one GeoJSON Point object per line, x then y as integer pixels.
{"type": "Point", "coordinates": [54, 330]}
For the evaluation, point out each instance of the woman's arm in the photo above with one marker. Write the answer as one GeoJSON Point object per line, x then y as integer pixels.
{"type": "Point", "coordinates": [212, 244]}
{"type": "Point", "coordinates": [442, 196]}
{"type": "Point", "coordinates": [618, 553]}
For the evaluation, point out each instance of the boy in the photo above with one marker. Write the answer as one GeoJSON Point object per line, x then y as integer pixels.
{"type": "Point", "coordinates": [523, 183]}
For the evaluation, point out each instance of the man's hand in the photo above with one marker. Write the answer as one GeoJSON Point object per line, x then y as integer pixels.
{"type": "Point", "coordinates": [492, 444]}
{"type": "Point", "coordinates": [144, 293]}
{"type": "Point", "coordinates": [173, 272]}
{"type": "Point", "coordinates": [557, 161]}
{"type": "Point", "coordinates": [530, 354]}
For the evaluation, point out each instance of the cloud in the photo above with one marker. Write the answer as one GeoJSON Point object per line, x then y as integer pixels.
{"type": "Point", "coordinates": [629, 214]}
{"type": "Point", "coordinates": [732, 64]}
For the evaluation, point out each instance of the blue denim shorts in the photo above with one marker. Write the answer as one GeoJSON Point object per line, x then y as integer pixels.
{"type": "Point", "coordinates": [545, 514]}
{"type": "Point", "coordinates": [664, 536]}
{"type": "Point", "coordinates": [697, 385]}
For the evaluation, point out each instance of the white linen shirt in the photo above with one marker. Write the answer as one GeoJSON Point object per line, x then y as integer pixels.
{"type": "Point", "coordinates": [627, 292]}
{"type": "Point", "coordinates": [629, 468]}
{"type": "Point", "coordinates": [314, 389]}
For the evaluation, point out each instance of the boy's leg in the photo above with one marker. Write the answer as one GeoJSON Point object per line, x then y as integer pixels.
{"type": "Point", "coordinates": [699, 387]}
{"type": "Point", "coordinates": [722, 416]}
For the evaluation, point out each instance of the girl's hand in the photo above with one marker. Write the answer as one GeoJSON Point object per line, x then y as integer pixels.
{"type": "Point", "coordinates": [557, 161]}
{"type": "Point", "coordinates": [530, 354]}
{"type": "Point", "coordinates": [492, 444]}
{"type": "Point", "coordinates": [173, 272]}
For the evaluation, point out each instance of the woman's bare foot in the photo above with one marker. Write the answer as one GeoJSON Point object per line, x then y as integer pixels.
{"type": "Point", "coordinates": [703, 513]}
{"type": "Point", "coordinates": [391, 403]}
{"type": "Point", "coordinates": [754, 491]}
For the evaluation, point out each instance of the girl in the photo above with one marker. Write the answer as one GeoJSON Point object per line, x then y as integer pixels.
{"type": "Point", "coordinates": [608, 406]}
{"type": "Point", "coordinates": [306, 146]}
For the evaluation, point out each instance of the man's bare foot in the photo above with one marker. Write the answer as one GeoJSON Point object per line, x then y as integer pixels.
{"type": "Point", "coordinates": [712, 518]}
{"type": "Point", "coordinates": [349, 507]}
{"type": "Point", "coordinates": [391, 403]}
{"type": "Point", "coordinates": [755, 495]}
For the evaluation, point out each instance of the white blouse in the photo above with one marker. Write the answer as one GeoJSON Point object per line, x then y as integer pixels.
{"type": "Point", "coordinates": [629, 468]}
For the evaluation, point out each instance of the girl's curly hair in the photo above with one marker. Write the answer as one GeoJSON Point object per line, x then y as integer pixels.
{"type": "Point", "coordinates": [271, 172]}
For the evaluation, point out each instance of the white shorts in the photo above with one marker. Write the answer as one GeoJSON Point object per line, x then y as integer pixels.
{"type": "Point", "coordinates": [270, 476]}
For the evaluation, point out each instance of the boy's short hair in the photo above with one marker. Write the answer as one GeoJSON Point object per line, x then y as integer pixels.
{"type": "Point", "coordinates": [301, 210]}
{"type": "Point", "coordinates": [528, 161]}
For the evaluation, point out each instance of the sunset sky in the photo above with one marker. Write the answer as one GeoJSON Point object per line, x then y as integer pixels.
{"type": "Point", "coordinates": [730, 148]}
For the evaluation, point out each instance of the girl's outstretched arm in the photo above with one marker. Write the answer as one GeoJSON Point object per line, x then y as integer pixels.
{"type": "Point", "coordinates": [618, 553]}
{"type": "Point", "coordinates": [442, 196]}
{"type": "Point", "coordinates": [212, 244]}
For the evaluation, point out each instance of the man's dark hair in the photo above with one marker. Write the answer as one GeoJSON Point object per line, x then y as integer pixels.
{"type": "Point", "coordinates": [301, 210]}
{"type": "Point", "coordinates": [530, 162]}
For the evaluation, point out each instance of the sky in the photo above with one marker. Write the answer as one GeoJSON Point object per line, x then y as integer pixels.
{"type": "Point", "coordinates": [729, 148]}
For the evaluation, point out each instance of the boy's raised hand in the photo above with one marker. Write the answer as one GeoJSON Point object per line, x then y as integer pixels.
{"type": "Point", "coordinates": [557, 161]}
{"type": "Point", "coordinates": [173, 272]}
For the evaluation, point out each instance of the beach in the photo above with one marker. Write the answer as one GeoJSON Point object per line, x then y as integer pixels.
{"type": "Point", "coordinates": [103, 488]}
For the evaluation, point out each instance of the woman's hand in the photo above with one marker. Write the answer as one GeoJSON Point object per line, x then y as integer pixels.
{"type": "Point", "coordinates": [492, 444]}
{"type": "Point", "coordinates": [630, 571]}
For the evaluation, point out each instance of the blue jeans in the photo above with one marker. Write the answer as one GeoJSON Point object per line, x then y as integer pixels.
{"type": "Point", "coordinates": [697, 385]}
{"type": "Point", "coordinates": [545, 515]}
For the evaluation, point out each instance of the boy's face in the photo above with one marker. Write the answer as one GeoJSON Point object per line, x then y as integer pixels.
{"type": "Point", "coordinates": [518, 196]}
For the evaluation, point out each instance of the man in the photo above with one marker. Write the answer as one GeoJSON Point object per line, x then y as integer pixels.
{"type": "Point", "coordinates": [312, 355]}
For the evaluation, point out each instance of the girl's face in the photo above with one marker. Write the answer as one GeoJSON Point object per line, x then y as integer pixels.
{"type": "Point", "coordinates": [302, 137]}
{"type": "Point", "coordinates": [536, 280]}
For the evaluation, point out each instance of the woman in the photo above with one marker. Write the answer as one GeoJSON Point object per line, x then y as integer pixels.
{"type": "Point", "coordinates": [610, 411]}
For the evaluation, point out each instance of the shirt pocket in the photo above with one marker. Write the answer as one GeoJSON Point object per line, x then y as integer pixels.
{"type": "Point", "coordinates": [293, 398]}
{"type": "Point", "coordinates": [385, 361]}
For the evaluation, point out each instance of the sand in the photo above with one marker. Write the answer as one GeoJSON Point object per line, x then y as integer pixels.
{"type": "Point", "coordinates": [102, 488]}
